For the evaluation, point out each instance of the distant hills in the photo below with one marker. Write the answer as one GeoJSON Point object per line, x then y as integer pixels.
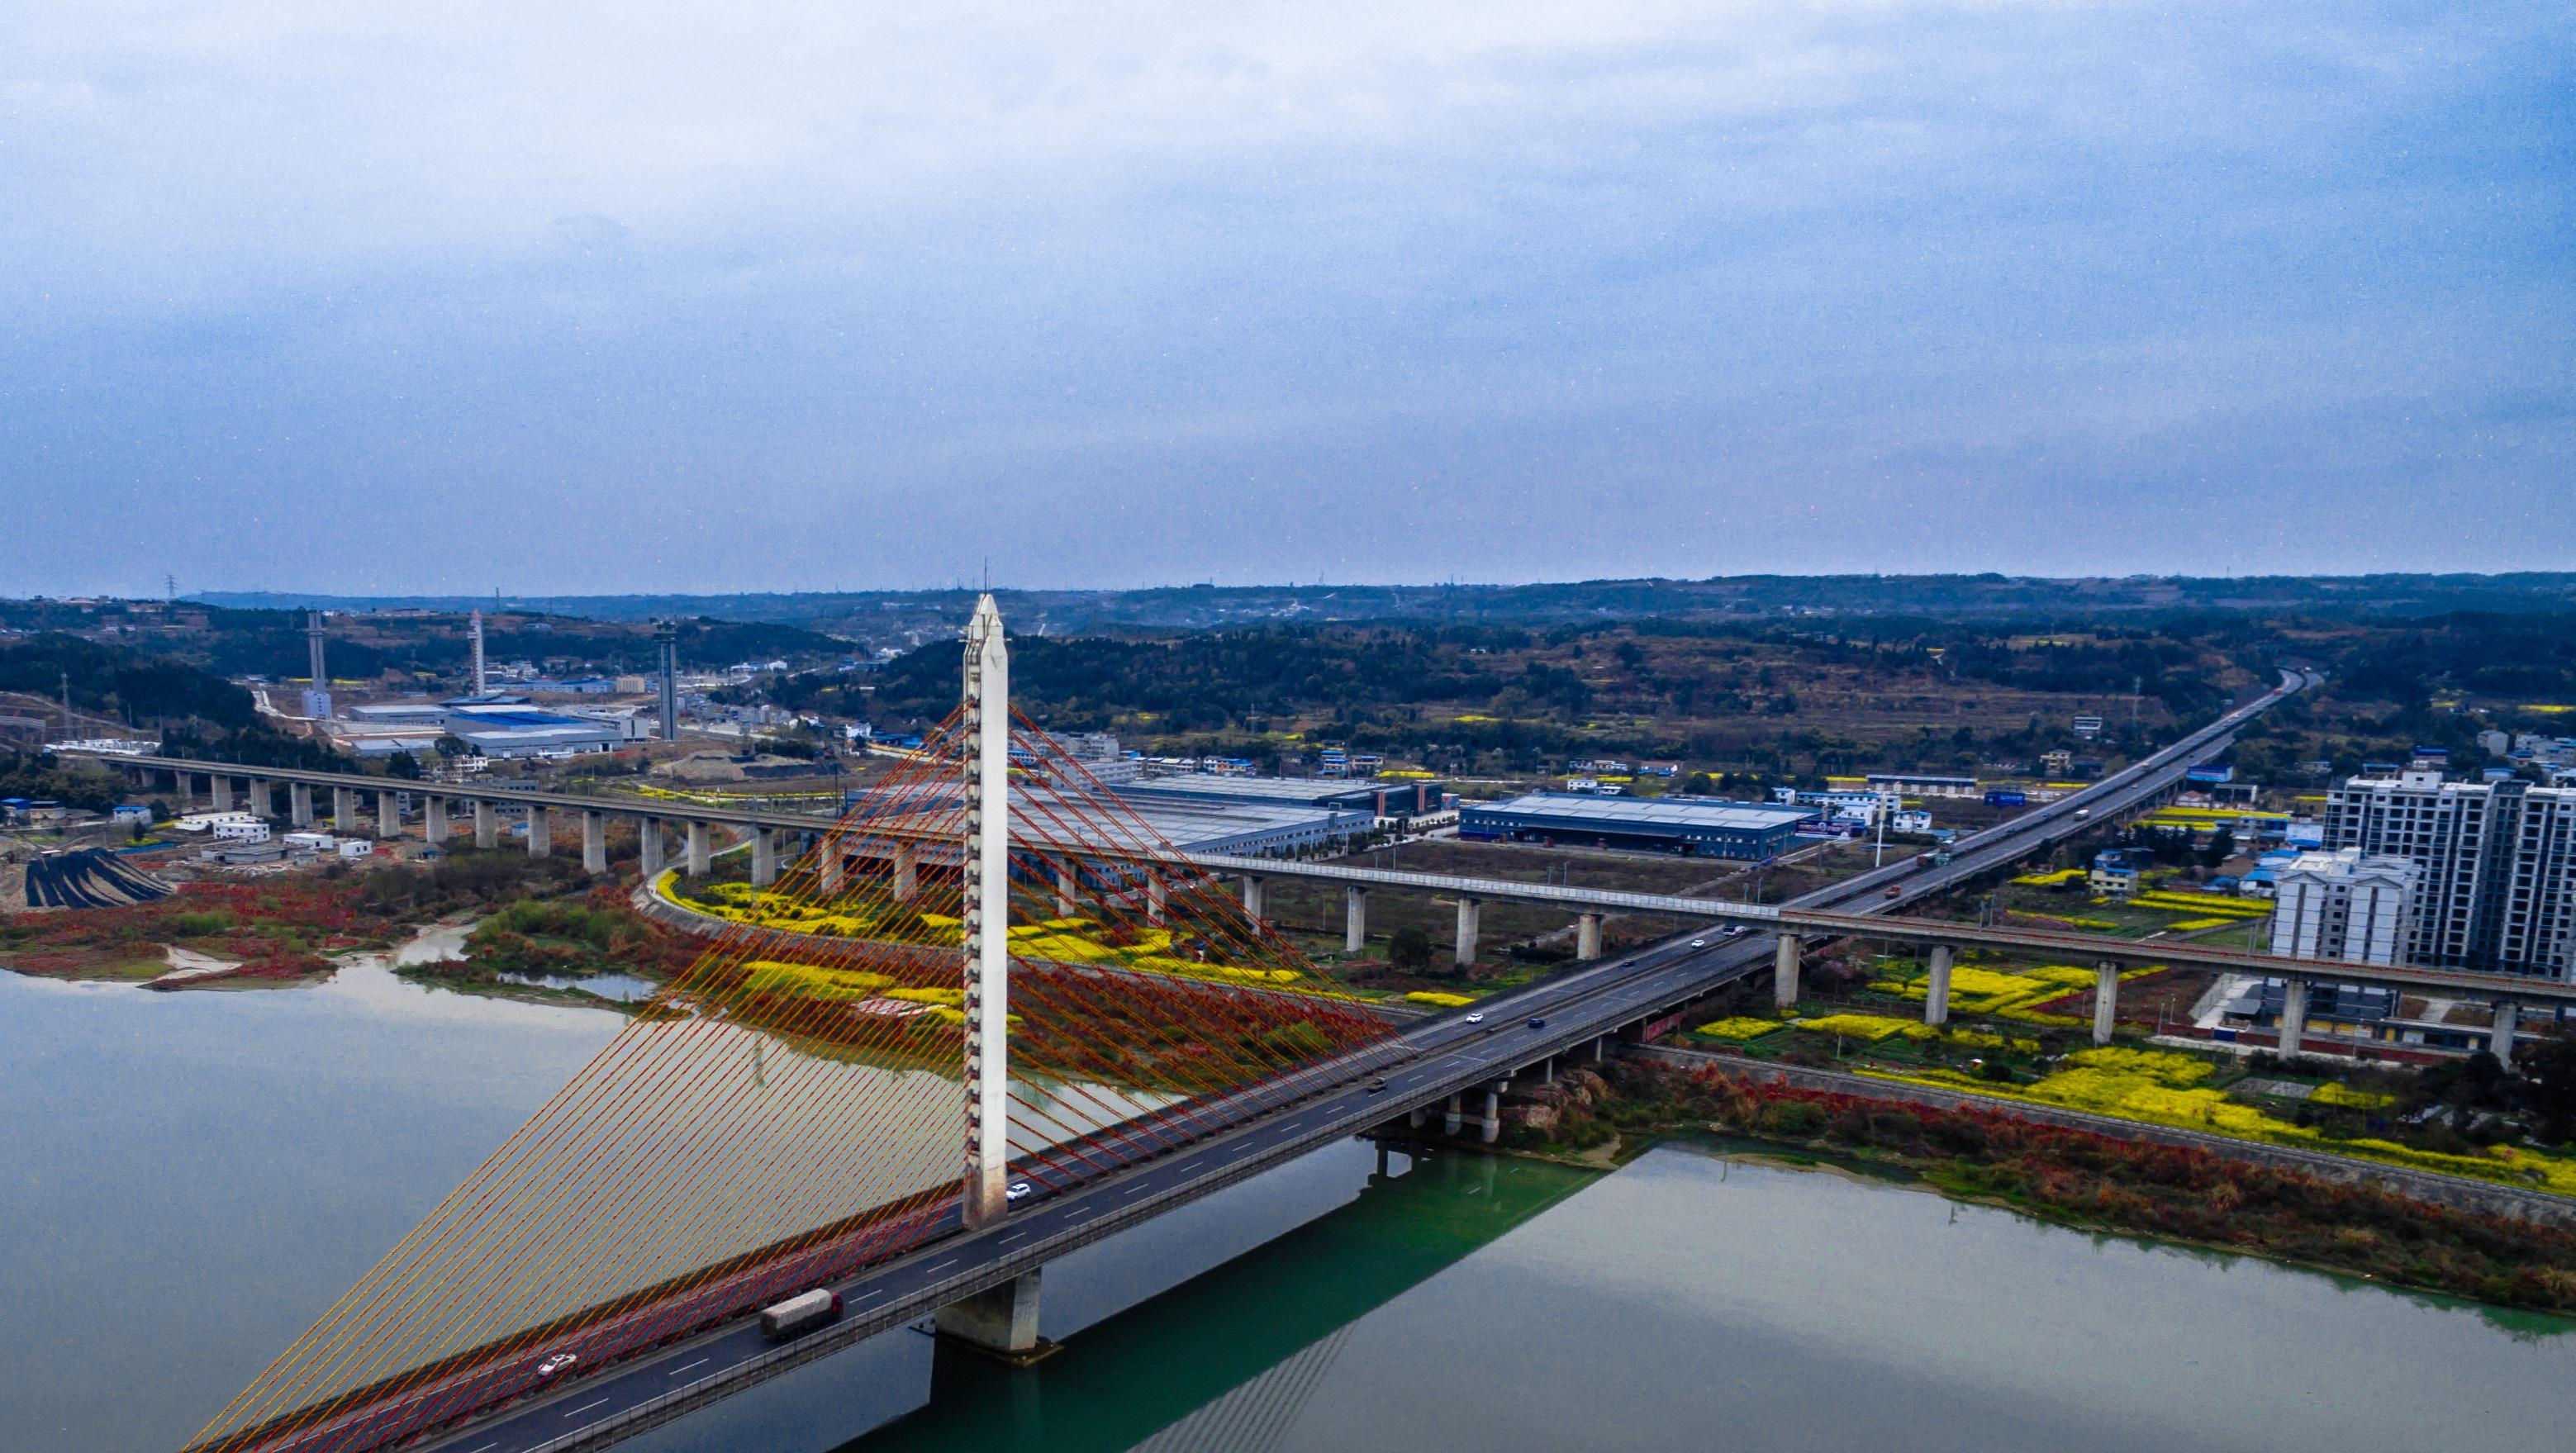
{"type": "Point", "coordinates": [892, 616]}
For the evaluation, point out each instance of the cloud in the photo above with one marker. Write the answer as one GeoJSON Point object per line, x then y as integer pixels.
{"type": "Point", "coordinates": [1128, 293]}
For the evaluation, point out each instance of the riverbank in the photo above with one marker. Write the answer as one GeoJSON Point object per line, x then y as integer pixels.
{"type": "Point", "coordinates": [2080, 1178]}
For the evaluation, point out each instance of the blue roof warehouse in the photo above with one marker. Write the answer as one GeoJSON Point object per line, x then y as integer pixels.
{"type": "Point", "coordinates": [1705, 827]}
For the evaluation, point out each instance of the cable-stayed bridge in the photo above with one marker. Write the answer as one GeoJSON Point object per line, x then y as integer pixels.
{"type": "Point", "coordinates": [979, 1060]}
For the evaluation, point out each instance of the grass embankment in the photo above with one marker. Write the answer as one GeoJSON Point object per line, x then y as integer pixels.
{"type": "Point", "coordinates": [2085, 1179]}
{"type": "Point", "coordinates": [598, 933]}
{"type": "Point", "coordinates": [282, 927]}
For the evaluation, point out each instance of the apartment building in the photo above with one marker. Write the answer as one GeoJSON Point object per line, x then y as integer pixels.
{"type": "Point", "coordinates": [2345, 905]}
{"type": "Point", "coordinates": [2496, 889]}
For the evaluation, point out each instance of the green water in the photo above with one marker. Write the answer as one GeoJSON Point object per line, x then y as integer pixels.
{"type": "Point", "coordinates": [187, 1180]}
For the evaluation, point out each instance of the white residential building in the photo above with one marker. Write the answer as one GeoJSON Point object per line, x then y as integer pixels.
{"type": "Point", "coordinates": [2342, 905]}
{"type": "Point", "coordinates": [2497, 890]}
{"type": "Point", "coordinates": [240, 830]}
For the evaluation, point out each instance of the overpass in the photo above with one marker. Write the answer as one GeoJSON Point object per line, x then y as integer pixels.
{"type": "Point", "coordinates": [977, 1263]}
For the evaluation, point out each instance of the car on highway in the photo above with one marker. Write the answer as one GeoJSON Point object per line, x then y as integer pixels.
{"type": "Point", "coordinates": [557, 1365]}
{"type": "Point", "coordinates": [800, 1314]}
{"type": "Point", "coordinates": [1019, 1191]}
{"type": "Point", "coordinates": [1377, 1087]}
{"type": "Point", "coordinates": [1538, 1024]}
{"type": "Point", "coordinates": [1476, 1018]}
{"type": "Point", "coordinates": [1893, 892]}
{"type": "Point", "coordinates": [1738, 931]}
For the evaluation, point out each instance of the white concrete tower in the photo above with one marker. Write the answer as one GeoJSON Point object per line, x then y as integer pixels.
{"type": "Point", "coordinates": [477, 629]}
{"type": "Point", "coordinates": [988, 916]}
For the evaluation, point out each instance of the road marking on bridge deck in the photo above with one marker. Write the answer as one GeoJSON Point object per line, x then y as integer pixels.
{"type": "Point", "coordinates": [943, 1266]}
{"type": "Point", "coordinates": [676, 1371]}
{"type": "Point", "coordinates": [872, 1296]}
{"type": "Point", "coordinates": [487, 1448]}
{"type": "Point", "coordinates": [586, 1407]}
{"type": "Point", "coordinates": [1007, 1240]}
{"type": "Point", "coordinates": [1136, 1190]}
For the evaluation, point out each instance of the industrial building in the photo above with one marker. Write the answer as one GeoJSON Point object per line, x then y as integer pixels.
{"type": "Point", "coordinates": [1698, 826]}
{"type": "Point", "coordinates": [2497, 890]}
{"type": "Point", "coordinates": [1249, 829]}
{"type": "Point", "coordinates": [1377, 799]}
{"type": "Point", "coordinates": [523, 731]}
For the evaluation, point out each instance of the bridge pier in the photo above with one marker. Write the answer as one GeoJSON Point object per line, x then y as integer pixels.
{"type": "Point", "coordinates": [648, 847]}
{"type": "Point", "coordinates": [2294, 1014]}
{"type": "Point", "coordinates": [1158, 897]}
{"type": "Point", "coordinates": [1784, 970]}
{"type": "Point", "coordinates": [487, 825]}
{"type": "Point", "coordinates": [1936, 991]}
{"type": "Point", "coordinates": [1416, 1118]}
{"type": "Point", "coordinates": [1354, 919]}
{"type": "Point", "coordinates": [1067, 879]}
{"type": "Point", "coordinates": [1252, 897]}
{"type": "Point", "coordinates": [594, 841]}
{"type": "Point", "coordinates": [698, 857]}
{"type": "Point", "coordinates": [181, 789]}
{"type": "Point", "coordinates": [1449, 1117]}
{"type": "Point", "coordinates": [299, 804]}
{"type": "Point", "coordinates": [1587, 937]}
{"type": "Point", "coordinates": [1470, 911]}
{"type": "Point", "coordinates": [907, 870]}
{"type": "Point", "coordinates": [262, 800]}
{"type": "Point", "coordinates": [1001, 1321]}
{"type": "Point", "coordinates": [764, 857]}
{"type": "Point", "coordinates": [541, 833]}
{"type": "Point", "coordinates": [1490, 1128]}
{"type": "Point", "coordinates": [2106, 999]}
{"type": "Point", "coordinates": [388, 813]}
{"type": "Point", "coordinates": [219, 791]}
{"type": "Point", "coordinates": [433, 820]}
{"type": "Point", "coordinates": [828, 867]}
{"type": "Point", "coordinates": [2508, 1019]}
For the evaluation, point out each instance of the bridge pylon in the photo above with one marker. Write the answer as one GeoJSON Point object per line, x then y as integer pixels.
{"type": "Point", "coordinates": [987, 912]}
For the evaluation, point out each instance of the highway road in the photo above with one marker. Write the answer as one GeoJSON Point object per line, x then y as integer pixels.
{"type": "Point", "coordinates": [1436, 1058]}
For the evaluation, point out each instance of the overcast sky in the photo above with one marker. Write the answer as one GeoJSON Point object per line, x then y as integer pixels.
{"type": "Point", "coordinates": [607, 297]}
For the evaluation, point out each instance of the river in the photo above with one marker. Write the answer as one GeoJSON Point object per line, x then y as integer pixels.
{"type": "Point", "coordinates": [190, 1178]}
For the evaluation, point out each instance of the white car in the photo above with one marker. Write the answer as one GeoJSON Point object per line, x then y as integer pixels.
{"type": "Point", "coordinates": [1699, 943]}
{"type": "Point", "coordinates": [1019, 1191]}
{"type": "Point", "coordinates": [560, 1363]}
{"type": "Point", "coordinates": [1476, 1018]}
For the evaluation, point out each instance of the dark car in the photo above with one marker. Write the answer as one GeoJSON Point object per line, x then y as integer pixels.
{"type": "Point", "coordinates": [1376, 1087]}
{"type": "Point", "coordinates": [1538, 1024]}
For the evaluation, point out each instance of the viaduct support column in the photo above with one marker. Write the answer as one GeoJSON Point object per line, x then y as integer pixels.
{"type": "Point", "coordinates": [2508, 1018]}
{"type": "Point", "coordinates": [2106, 1000]}
{"type": "Point", "coordinates": [181, 789]}
{"type": "Point", "coordinates": [1784, 971]}
{"type": "Point", "coordinates": [594, 841]}
{"type": "Point", "coordinates": [1449, 1117]}
{"type": "Point", "coordinates": [827, 866]}
{"type": "Point", "coordinates": [1490, 1128]}
{"type": "Point", "coordinates": [2294, 1014]}
{"type": "Point", "coordinates": [1252, 898]}
{"type": "Point", "coordinates": [299, 804]}
{"type": "Point", "coordinates": [1470, 911]}
{"type": "Point", "coordinates": [262, 801]}
{"type": "Point", "coordinates": [344, 810]}
{"type": "Point", "coordinates": [1001, 1320]}
{"type": "Point", "coordinates": [487, 825]}
{"type": "Point", "coordinates": [388, 813]}
{"type": "Point", "coordinates": [1354, 919]}
{"type": "Point", "coordinates": [541, 833]}
{"type": "Point", "coordinates": [1587, 937]}
{"type": "Point", "coordinates": [221, 788]}
{"type": "Point", "coordinates": [699, 858]}
{"type": "Point", "coordinates": [907, 872]}
{"type": "Point", "coordinates": [1936, 992]}
{"type": "Point", "coordinates": [764, 857]}
{"type": "Point", "coordinates": [1158, 897]}
{"type": "Point", "coordinates": [648, 847]}
{"type": "Point", "coordinates": [1068, 878]}
{"type": "Point", "coordinates": [433, 818]}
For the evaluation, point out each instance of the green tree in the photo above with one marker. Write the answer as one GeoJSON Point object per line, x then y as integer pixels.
{"type": "Point", "coordinates": [1410, 949]}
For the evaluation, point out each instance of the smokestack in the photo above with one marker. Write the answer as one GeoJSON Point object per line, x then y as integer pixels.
{"type": "Point", "coordinates": [477, 627]}
{"type": "Point", "coordinates": [313, 640]}
{"type": "Point", "coordinates": [666, 643]}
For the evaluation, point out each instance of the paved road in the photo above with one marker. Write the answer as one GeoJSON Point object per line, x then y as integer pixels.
{"type": "Point", "coordinates": [1432, 1061]}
